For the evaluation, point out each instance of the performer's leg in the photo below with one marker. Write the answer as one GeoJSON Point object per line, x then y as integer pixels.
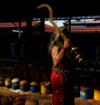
{"type": "Point", "coordinates": [56, 89]}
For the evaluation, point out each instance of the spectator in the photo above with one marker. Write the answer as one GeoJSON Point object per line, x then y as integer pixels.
{"type": "Point", "coordinates": [13, 47]}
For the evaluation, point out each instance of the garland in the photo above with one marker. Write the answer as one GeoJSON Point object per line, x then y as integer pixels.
{"type": "Point", "coordinates": [67, 54]}
{"type": "Point", "coordinates": [9, 98]}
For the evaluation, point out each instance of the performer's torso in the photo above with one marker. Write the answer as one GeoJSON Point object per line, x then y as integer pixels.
{"type": "Point", "coordinates": [66, 61]}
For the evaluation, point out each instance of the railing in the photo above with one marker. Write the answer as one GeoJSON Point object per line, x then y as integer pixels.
{"type": "Point", "coordinates": [85, 28]}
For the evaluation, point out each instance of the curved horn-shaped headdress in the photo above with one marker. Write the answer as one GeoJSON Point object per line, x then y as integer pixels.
{"type": "Point", "coordinates": [56, 27]}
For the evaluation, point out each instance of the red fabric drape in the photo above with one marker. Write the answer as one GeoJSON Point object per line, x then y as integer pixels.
{"type": "Point", "coordinates": [62, 88]}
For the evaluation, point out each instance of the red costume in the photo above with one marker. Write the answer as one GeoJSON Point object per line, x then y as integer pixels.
{"type": "Point", "coordinates": [63, 86]}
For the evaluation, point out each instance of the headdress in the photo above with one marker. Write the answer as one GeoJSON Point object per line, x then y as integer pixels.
{"type": "Point", "coordinates": [58, 29]}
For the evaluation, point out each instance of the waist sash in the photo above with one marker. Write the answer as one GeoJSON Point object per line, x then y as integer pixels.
{"type": "Point", "coordinates": [61, 70]}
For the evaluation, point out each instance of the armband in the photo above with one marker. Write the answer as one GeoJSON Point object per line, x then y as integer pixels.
{"type": "Point", "coordinates": [63, 48]}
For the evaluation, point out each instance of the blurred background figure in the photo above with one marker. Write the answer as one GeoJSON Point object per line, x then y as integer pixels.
{"type": "Point", "coordinates": [13, 47]}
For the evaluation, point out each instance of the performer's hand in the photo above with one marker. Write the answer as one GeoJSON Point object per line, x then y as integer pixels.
{"type": "Point", "coordinates": [67, 43]}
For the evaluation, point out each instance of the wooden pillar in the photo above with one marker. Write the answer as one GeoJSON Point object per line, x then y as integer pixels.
{"type": "Point", "coordinates": [42, 27]}
{"type": "Point", "coordinates": [28, 25]}
{"type": "Point", "coordinates": [28, 21]}
{"type": "Point", "coordinates": [10, 32]}
{"type": "Point", "coordinates": [20, 24]}
{"type": "Point", "coordinates": [96, 33]}
{"type": "Point", "coordinates": [70, 26]}
{"type": "Point", "coordinates": [19, 34]}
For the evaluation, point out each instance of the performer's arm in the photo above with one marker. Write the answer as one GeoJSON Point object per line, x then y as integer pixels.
{"type": "Point", "coordinates": [56, 55]}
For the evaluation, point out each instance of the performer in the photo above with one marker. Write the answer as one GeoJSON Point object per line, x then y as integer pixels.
{"type": "Point", "coordinates": [62, 77]}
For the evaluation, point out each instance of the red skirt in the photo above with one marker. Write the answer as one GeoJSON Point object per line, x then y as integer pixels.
{"type": "Point", "coordinates": [62, 88]}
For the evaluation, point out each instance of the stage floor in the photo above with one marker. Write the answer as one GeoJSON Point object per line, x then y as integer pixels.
{"type": "Point", "coordinates": [42, 98]}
